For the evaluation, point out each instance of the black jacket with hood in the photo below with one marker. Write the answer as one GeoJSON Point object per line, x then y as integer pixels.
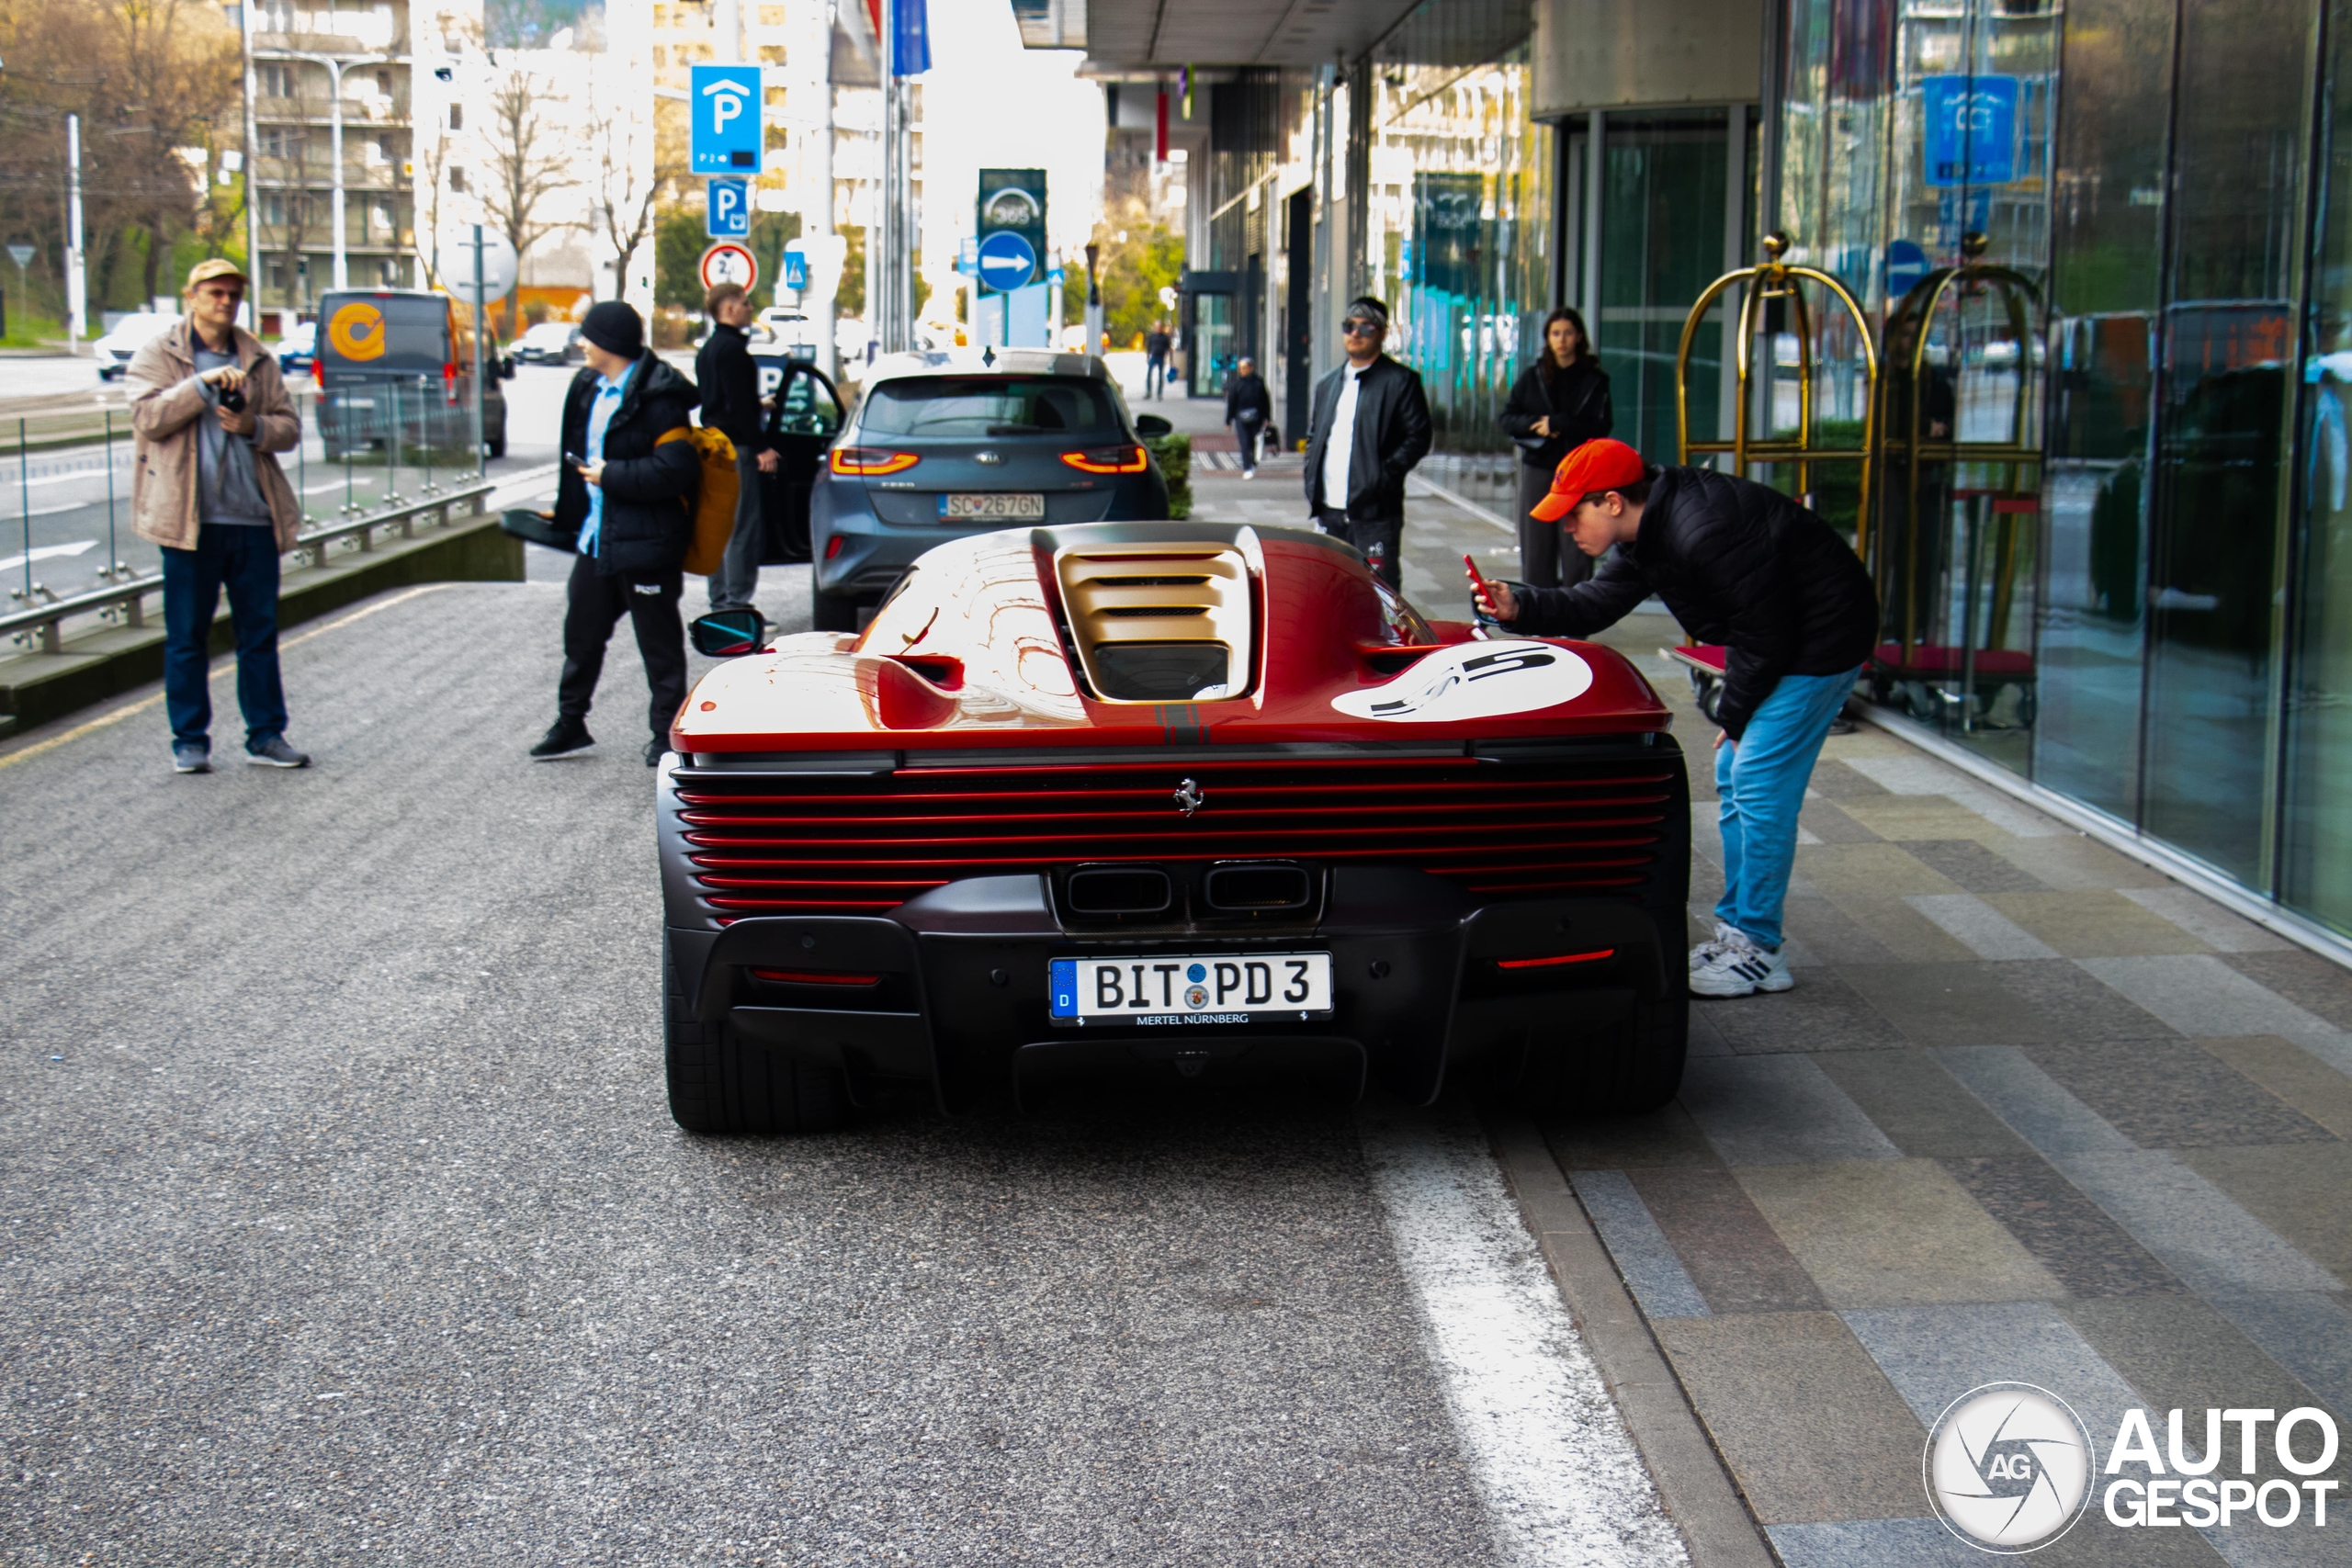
{"type": "Point", "coordinates": [1739, 564]}
{"type": "Point", "coordinates": [647, 526]}
{"type": "Point", "coordinates": [1392, 434]}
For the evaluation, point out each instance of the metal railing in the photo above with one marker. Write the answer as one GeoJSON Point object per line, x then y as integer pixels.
{"type": "Point", "coordinates": [124, 603]}
{"type": "Point", "coordinates": [370, 451]}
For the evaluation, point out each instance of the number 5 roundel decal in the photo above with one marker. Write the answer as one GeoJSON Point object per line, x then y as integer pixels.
{"type": "Point", "coordinates": [1474, 680]}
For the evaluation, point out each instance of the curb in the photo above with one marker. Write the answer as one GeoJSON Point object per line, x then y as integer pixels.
{"type": "Point", "coordinates": [1695, 1489]}
{"type": "Point", "coordinates": [95, 665]}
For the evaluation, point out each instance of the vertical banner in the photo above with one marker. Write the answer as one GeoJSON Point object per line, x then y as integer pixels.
{"type": "Point", "coordinates": [911, 57]}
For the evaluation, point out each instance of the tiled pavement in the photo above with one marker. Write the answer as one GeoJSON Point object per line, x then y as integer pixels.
{"type": "Point", "coordinates": [2033, 1112]}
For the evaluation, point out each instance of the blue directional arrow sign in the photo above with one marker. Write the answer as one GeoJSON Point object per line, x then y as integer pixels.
{"type": "Point", "coordinates": [1007, 262]}
{"type": "Point", "coordinates": [726, 110]}
{"type": "Point", "coordinates": [728, 214]}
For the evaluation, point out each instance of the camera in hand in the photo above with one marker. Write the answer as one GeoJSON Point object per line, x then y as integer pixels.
{"type": "Point", "coordinates": [233, 398]}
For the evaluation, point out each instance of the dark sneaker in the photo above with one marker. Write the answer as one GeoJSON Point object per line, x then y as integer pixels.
{"type": "Point", "coordinates": [275, 753]}
{"type": "Point", "coordinates": [187, 757]}
{"type": "Point", "coordinates": [653, 750]}
{"type": "Point", "coordinates": [563, 737]}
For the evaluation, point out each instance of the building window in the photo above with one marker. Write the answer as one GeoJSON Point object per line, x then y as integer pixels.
{"type": "Point", "coordinates": [383, 84]}
{"type": "Point", "coordinates": [458, 181]}
{"type": "Point", "coordinates": [457, 117]}
{"type": "Point", "coordinates": [274, 79]}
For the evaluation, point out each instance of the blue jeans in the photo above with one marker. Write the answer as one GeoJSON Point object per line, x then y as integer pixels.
{"type": "Point", "coordinates": [1760, 783]}
{"type": "Point", "coordinates": [244, 560]}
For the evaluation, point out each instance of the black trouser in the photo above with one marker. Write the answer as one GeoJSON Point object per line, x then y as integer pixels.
{"type": "Point", "coordinates": [1378, 541]}
{"type": "Point", "coordinates": [1547, 558]}
{"type": "Point", "coordinates": [595, 603]}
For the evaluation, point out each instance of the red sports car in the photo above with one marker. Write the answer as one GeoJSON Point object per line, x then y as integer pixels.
{"type": "Point", "coordinates": [1193, 799]}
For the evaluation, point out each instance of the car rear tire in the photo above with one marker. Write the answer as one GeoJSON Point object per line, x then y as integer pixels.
{"type": "Point", "coordinates": [721, 1085]}
{"type": "Point", "coordinates": [1624, 1069]}
{"type": "Point", "coordinates": [832, 612]}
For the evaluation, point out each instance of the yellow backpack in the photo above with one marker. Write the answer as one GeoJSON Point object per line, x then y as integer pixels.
{"type": "Point", "coordinates": [712, 507]}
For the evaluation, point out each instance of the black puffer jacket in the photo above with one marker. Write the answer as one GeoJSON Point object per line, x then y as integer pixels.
{"type": "Point", "coordinates": [646, 526]}
{"type": "Point", "coordinates": [1739, 564]}
{"type": "Point", "coordinates": [1577, 402]}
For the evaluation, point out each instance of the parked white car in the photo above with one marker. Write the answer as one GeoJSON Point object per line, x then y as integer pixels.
{"type": "Point", "coordinates": [127, 337]}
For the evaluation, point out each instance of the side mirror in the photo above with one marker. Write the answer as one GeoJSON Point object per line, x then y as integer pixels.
{"type": "Point", "coordinates": [1152, 426]}
{"type": "Point", "coordinates": [507, 368]}
{"type": "Point", "coordinates": [725, 633]}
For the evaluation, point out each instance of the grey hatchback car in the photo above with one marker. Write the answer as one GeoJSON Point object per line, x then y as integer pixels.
{"type": "Point", "coordinates": [971, 441]}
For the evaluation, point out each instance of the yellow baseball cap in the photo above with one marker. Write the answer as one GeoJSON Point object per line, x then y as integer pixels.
{"type": "Point", "coordinates": [206, 270]}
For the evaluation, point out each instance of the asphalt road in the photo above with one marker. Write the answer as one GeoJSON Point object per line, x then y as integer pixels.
{"type": "Point", "coordinates": [69, 508]}
{"type": "Point", "coordinates": [345, 1220]}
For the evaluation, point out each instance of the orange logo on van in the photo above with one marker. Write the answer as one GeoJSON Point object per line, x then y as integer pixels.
{"type": "Point", "coordinates": [357, 331]}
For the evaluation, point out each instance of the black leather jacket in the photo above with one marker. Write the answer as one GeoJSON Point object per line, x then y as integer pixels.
{"type": "Point", "coordinates": [646, 528]}
{"type": "Point", "coordinates": [1392, 434]}
{"type": "Point", "coordinates": [1739, 564]}
{"type": "Point", "coordinates": [1577, 402]}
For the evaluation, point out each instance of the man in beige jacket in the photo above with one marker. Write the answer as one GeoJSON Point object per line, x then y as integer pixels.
{"type": "Point", "coordinates": [211, 413]}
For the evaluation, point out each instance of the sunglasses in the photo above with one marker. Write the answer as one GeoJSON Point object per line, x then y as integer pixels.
{"type": "Point", "coordinates": [1360, 326]}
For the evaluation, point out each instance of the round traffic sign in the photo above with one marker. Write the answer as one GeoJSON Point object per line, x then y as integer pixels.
{"type": "Point", "coordinates": [1007, 261]}
{"type": "Point", "coordinates": [455, 262]}
{"type": "Point", "coordinates": [728, 262]}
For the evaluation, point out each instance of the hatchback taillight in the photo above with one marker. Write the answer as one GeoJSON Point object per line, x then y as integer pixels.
{"type": "Point", "coordinates": [860, 462]}
{"type": "Point", "coordinates": [1108, 461]}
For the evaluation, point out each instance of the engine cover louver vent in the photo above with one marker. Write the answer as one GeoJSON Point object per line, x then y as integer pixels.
{"type": "Point", "coordinates": [1160, 623]}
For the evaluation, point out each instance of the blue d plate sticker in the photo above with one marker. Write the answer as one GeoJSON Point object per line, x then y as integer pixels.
{"type": "Point", "coordinates": [1061, 980]}
{"type": "Point", "coordinates": [1474, 680]}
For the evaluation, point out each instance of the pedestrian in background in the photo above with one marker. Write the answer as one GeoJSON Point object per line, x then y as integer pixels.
{"type": "Point", "coordinates": [1371, 426]}
{"type": "Point", "coordinates": [1156, 344]}
{"type": "Point", "coordinates": [1559, 402]}
{"type": "Point", "coordinates": [1249, 408]}
{"type": "Point", "coordinates": [621, 486]}
{"type": "Point", "coordinates": [208, 414]}
{"type": "Point", "coordinates": [731, 405]}
{"type": "Point", "coordinates": [1742, 565]}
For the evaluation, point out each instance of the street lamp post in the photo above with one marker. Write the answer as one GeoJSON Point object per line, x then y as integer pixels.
{"type": "Point", "coordinates": [252, 185]}
{"type": "Point", "coordinates": [335, 69]}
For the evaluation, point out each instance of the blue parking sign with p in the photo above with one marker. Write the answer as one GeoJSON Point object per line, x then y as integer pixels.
{"type": "Point", "coordinates": [727, 214]}
{"type": "Point", "coordinates": [725, 113]}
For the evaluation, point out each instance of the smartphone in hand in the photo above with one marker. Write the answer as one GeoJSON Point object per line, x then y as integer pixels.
{"type": "Point", "coordinates": [1479, 579]}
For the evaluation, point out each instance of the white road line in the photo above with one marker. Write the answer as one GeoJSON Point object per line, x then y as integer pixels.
{"type": "Point", "coordinates": [1562, 1481]}
{"type": "Point", "coordinates": [46, 552]}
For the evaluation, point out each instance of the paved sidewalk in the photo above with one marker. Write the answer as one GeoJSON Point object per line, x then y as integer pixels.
{"type": "Point", "coordinates": [2033, 1112]}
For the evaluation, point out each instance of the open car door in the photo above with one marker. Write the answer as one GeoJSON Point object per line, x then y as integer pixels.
{"type": "Point", "coordinates": [802, 420]}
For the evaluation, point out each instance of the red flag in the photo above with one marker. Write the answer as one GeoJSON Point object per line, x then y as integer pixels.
{"type": "Point", "coordinates": [1160, 142]}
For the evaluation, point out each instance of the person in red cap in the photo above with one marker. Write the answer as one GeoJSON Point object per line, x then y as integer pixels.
{"type": "Point", "coordinates": [1742, 565]}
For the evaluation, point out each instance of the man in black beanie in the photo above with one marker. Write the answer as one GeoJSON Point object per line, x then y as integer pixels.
{"type": "Point", "coordinates": [627, 471]}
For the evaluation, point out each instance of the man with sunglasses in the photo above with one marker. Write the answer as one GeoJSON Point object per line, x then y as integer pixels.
{"type": "Point", "coordinates": [1741, 565]}
{"type": "Point", "coordinates": [1371, 424]}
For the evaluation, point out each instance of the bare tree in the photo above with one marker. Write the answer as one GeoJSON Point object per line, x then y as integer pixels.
{"type": "Point", "coordinates": [529, 161]}
{"type": "Point", "coordinates": [625, 191]}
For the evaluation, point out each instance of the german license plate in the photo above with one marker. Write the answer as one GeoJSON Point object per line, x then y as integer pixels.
{"type": "Point", "coordinates": [991, 507]}
{"type": "Point", "coordinates": [1227, 989]}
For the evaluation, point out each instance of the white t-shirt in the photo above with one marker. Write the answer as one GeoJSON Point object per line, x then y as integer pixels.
{"type": "Point", "coordinates": [1342, 444]}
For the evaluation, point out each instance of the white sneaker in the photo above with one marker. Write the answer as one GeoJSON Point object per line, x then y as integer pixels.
{"type": "Point", "coordinates": [1741, 968]}
{"type": "Point", "coordinates": [1704, 954]}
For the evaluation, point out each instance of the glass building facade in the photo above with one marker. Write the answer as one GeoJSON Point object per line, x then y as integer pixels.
{"type": "Point", "coordinates": [2153, 620]}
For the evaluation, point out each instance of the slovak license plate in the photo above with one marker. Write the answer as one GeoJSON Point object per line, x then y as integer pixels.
{"type": "Point", "coordinates": [992, 506]}
{"type": "Point", "coordinates": [1228, 988]}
